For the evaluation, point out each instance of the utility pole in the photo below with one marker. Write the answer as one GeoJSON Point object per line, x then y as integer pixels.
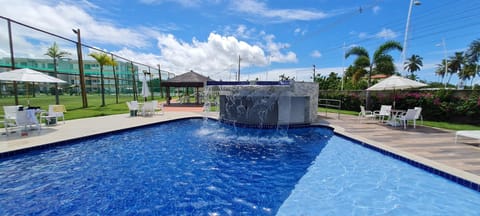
{"type": "Point", "coordinates": [160, 80]}
{"type": "Point", "coordinates": [313, 73]}
{"type": "Point", "coordinates": [238, 74]}
{"type": "Point", "coordinates": [343, 67]}
{"type": "Point", "coordinates": [80, 68]}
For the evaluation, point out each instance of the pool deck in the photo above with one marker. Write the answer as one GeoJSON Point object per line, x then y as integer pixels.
{"type": "Point", "coordinates": [433, 147]}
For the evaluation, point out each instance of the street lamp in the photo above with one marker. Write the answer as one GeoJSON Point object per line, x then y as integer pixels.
{"type": "Point", "coordinates": [404, 50]}
{"type": "Point", "coordinates": [80, 68]}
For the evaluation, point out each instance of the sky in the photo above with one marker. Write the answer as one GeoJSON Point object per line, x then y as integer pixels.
{"type": "Point", "coordinates": [271, 37]}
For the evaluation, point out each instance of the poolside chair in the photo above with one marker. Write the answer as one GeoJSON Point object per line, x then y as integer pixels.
{"type": "Point", "coordinates": [419, 114]}
{"type": "Point", "coordinates": [365, 114]}
{"type": "Point", "coordinates": [475, 134]}
{"type": "Point", "coordinates": [133, 107]}
{"type": "Point", "coordinates": [157, 107]}
{"type": "Point", "coordinates": [384, 113]}
{"type": "Point", "coordinates": [408, 116]}
{"type": "Point", "coordinates": [148, 109]}
{"type": "Point", "coordinates": [10, 116]}
{"type": "Point", "coordinates": [53, 114]}
{"type": "Point", "coordinates": [13, 117]}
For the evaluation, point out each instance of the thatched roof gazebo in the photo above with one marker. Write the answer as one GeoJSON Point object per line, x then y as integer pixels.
{"type": "Point", "coordinates": [186, 80]}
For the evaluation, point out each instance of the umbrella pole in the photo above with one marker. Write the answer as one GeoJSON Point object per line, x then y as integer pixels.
{"type": "Point", "coordinates": [15, 92]}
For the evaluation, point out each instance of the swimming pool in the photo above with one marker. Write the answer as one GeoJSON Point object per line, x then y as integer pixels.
{"type": "Point", "coordinates": [208, 168]}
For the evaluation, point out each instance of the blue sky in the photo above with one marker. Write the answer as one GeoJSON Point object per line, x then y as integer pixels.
{"type": "Point", "coordinates": [271, 37]}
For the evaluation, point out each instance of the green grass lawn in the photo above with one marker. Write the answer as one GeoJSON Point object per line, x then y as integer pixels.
{"type": "Point", "coordinates": [73, 104]}
{"type": "Point", "coordinates": [74, 108]}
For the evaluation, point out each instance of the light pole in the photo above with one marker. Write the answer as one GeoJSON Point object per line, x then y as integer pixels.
{"type": "Point", "coordinates": [404, 50]}
{"type": "Point", "coordinates": [80, 68]}
{"type": "Point", "coordinates": [445, 56]}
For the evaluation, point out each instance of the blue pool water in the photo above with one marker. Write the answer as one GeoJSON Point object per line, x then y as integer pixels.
{"type": "Point", "coordinates": [183, 167]}
{"type": "Point", "coordinates": [196, 167]}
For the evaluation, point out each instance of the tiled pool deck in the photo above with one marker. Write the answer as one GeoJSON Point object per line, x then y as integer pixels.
{"type": "Point", "coordinates": [433, 147]}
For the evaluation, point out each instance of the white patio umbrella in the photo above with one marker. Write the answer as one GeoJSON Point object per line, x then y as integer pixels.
{"type": "Point", "coordinates": [145, 90]}
{"type": "Point", "coordinates": [28, 75]}
{"type": "Point", "coordinates": [396, 83]}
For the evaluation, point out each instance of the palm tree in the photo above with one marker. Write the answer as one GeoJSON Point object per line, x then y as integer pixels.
{"type": "Point", "coordinates": [440, 71]}
{"type": "Point", "coordinates": [381, 61]}
{"type": "Point", "coordinates": [102, 59]}
{"type": "Point", "coordinates": [55, 53]}
{"type": "Point", "coordinates": [456, 64]}
{"type": "Point", "coordinates": [414, 63]}
{"type": "Point", "coordinates": [473, 55]}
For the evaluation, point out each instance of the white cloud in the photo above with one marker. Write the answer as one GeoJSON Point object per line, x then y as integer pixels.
{"type": "Point", "coordinates": [60, 18]}
{"type": "Point", "coordinates": [375, 9]}
{"type": "Point", "coordinates": [257, 8]}
{"type": "Point", "coordinates": [316, 54]}
{"type": "Point", "coordinates": [299, 31]}
{"type": "Point", "coordinates": [211, 57]}
{"type": "Point", "coordinates": [386, 34]}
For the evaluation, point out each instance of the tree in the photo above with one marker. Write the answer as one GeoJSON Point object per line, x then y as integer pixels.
{"type": "Point", "coordinates": [473, 55]}
{"type": "Point", "coordinates": [414, 63]}
{"type": "Point", "coordinates": [333, 81]}
{"type": "Point", "coordinates": [285, 78]}
{"type": "Point", "coordinates": [102, 59]}
{"type": "Point", "coordinates": [55, 53]}
{"type": "Point", "coordinates": [440, 71]}
{"type": "Point", "coordinates": [381, 61]}
{"type": "Point", "coordinates": [456, 64]}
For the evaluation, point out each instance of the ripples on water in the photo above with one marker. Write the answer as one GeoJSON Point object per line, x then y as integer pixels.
{"type": "Point", "coordinates": [184, 167]}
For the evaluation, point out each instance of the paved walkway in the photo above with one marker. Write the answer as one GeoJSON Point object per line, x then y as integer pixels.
{"type": "Point", "coordinates": [433, 147]}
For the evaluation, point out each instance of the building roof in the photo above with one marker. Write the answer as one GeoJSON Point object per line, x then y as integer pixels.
{"type": "Point", "coordinates": [379, 76]}
{"type": "Point", "coordinates": [189, 79]}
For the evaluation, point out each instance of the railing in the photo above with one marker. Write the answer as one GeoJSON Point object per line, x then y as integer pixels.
{"type": "Point", "coordinates": [330, 103]}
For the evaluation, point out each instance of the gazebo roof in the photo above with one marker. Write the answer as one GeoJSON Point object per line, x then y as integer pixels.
{"type": "Point", "coordinates": [189, 79]}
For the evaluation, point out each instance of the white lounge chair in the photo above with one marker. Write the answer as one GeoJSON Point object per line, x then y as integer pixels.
{"type": "Point", "coordinates": [384, 113]}
{"type": "Point", "coordinates": [54, 113]}
{"type": "Point", "coordinates": [475, 134]}
{"type": "Point", "coordinates": [410, 115]}
{"type": "Point", "coordinates": [157, 107]}
{"type": "Point", "coordinates": [10, 117]}
{"type": "Point", "coordinates": [365, 114]}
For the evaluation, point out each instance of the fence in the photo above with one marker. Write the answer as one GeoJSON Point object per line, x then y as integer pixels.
{"type": "Point", "coordinates": [27, 47]}
{"type": "Point", "coordinates": [330, 103]}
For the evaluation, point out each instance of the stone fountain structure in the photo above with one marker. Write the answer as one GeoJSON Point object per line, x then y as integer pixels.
{"type": "Point", "coordinates": [264, 104]}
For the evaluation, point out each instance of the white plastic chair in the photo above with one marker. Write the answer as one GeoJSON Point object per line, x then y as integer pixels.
{"type": "Point", "coordinates": [383, 113]}
{"type": "Point", "coordinates": [365, 114]}
{"type": "Point", "coordinates": [54, 112]}
{"type": "Point", "coordinates": [10, 116]}
{"type": "Point", "coordinates": [133, 108]}
{"type": "Point", "coordinates": [157, 107]}
{"type": "Point", "coordinates": [408, 116]}
{"type": "Point", "coordinates": [419, 114]}
{"type": "Point", "coordinates": [15, 118]}
{"type": "Point", "coordinates": [148, 109]}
